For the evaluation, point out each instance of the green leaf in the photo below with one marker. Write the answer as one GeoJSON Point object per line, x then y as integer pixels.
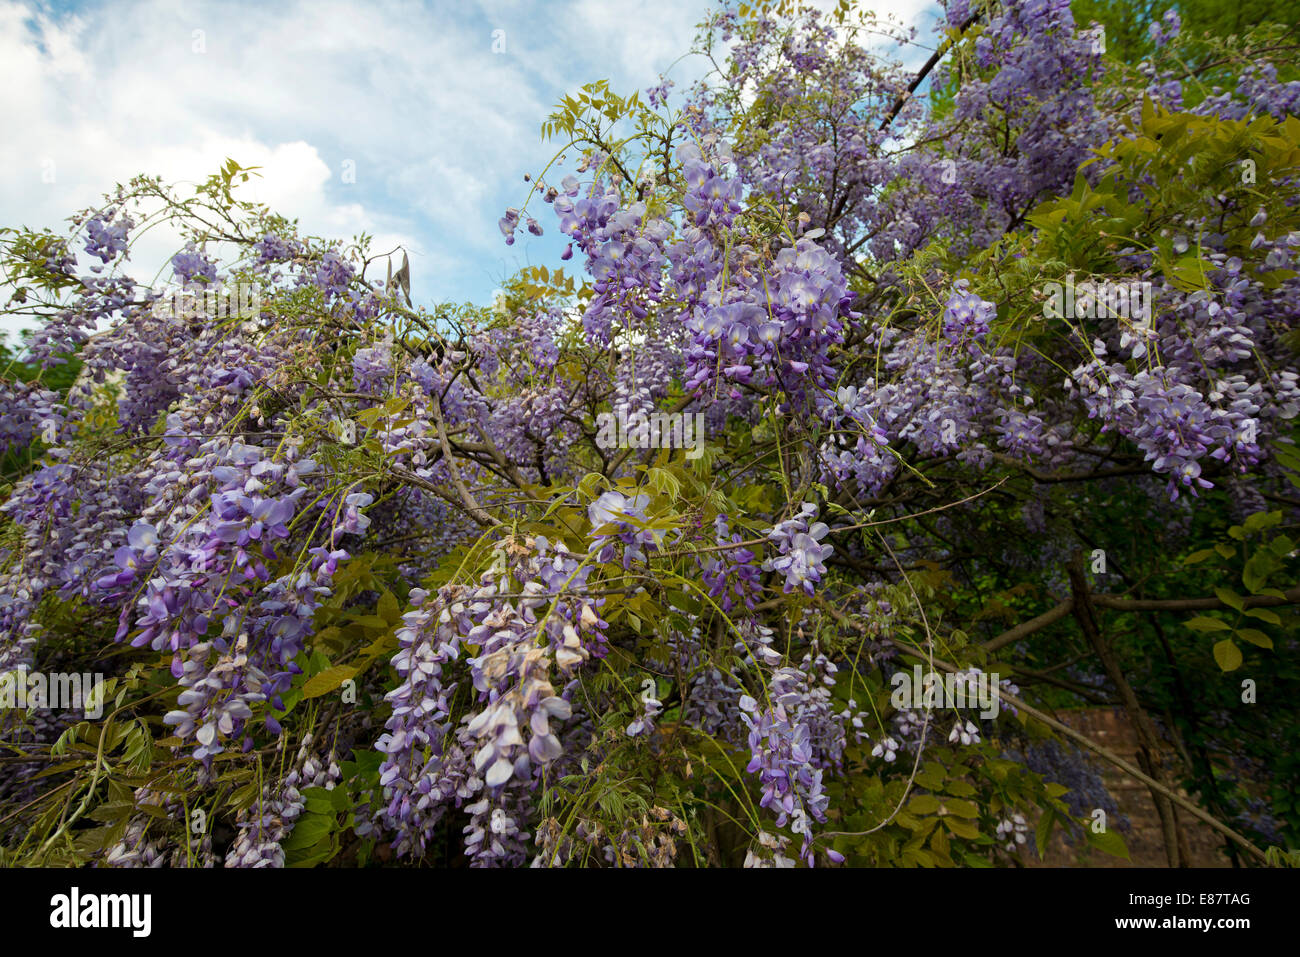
{"type": "Point", "coordinates": [326, 800]}
{"type": "Point", "coordinates": [1262, 520]}
{"type": "Point", "coordinates": [931, 776]}
{"type": "Point", "coordinates": [1288, 455]}
{"type": "Point", "coordinates": [1043, 833]}
{"type": "Point", "coordinates": [1189, 273]}
{"type": "Point", "coordinates": [961, 788]}
{"type": "Point", "coordinates": [319, 853]}
{"type": "Point", "coordinates": [1230, 598]}
{"type": "Point", "coordinates": [961, 808]}
{"type": "Point", "coordinates": [1257, 571]}
{"type": "Point", "coordinates": [1227, 654]}
{"type": "Point", "coordinates": [363, 764]}
{"type": "Point", "coordinates": [328, 680]}
{"type": "Point", "coordinates": [1108, 841]}
{"type": "Point", "coordinates": [962, 828]}
{"type": "Point", "coordinates": [1198, 556]}
{"type": "Point", "coordinates": [315, 803]}
{"type": "Point", "coordinates": [1204, 623]}
{"type": "Point", "coordinates": [923, 804]}
{"type": "Point", "coordinates": [388, 608]}
{"type": "Point", "coordinates": [1254, 636]}
{"type": "Point", "coordinates": [1263, 614]}
{"type": "Point", "coordinates": [309, 830]}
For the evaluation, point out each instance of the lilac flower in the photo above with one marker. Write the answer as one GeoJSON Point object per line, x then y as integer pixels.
{"type": "Point", "coordinates": [644, 724]}
{"type": "Point", "coordinates": [966, 317]}
{"type": "Point", "coordinates": [781, 755]}
{"type": "Point", "coordinates": [107, 241]}
{"type": "Point", "coordinates": [277, 249]}
{"type": "Point", "coordinates": [624, 513]}
{"type": "Point", "coordinates": [191, 265]}
{"type": "Point", "coordinates": [1167, 29]}
{"type": "Point", "coordinates": [800, 554]}
{"type": "Point", "coordinates": [508, 224]}
{"type": "Point", "coordinates": [886, 748]}
{"type": "Point", "coordinates": [731, 574]}
{"type": "Point", "coordinates": [965, 732]}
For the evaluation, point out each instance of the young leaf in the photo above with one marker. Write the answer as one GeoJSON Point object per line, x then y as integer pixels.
{"type": "Point", "coordinates": [1254, 636]}
{"type": "Point", "coordinates": [388, 608]}
{"type": "Point", "coordinates": [1263, 614]}
{"type": "Point", "coordinates": [1227, 654]}
{"type": "Point", "coordinates": [328, 680]}
{"type": "Point", "coordinates": [1229, 598]}
{"type": "Point", "coordinates": [1108, 841]}
{"type": "Point", "coordinates": [1043, 833]}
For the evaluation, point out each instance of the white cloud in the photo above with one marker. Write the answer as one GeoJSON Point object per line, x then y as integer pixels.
{"type": "Point", "coordinates": [438, 127]}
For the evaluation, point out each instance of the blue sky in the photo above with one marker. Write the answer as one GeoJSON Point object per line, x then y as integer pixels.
{"type": "Point", "coordinates": [439, 128]}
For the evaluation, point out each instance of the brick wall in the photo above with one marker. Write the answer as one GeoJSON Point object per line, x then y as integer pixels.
{"type": "Point", "coordinates": [1110, 728]}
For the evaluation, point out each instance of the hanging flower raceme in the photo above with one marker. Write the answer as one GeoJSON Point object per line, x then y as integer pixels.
{"type": "Point", "coordinates": [800, 552]}
{"type": "Point", "coordinates": [731, 573]}
{"type": "Point", "coordinates": [781, 746]}
{"type": "Point", "coordinates": [617, 518]}
{"type": "Point", "coordinates": [521, 641]}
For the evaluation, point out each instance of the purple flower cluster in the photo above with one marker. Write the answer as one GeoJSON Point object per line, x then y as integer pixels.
{"type": "Point", "coordinates": [1171, 422]}
{"type": "Point", "coordinates": [372, 368]}
{"type": "Point", "coordinates": [493, 836]}
{"type": "Point", "coordinates": [265, 826]}
{"type": "Point", "coordinates": [800, 554]}
{"type": "Point", "coordinates": [208, 597]}
{"type": "Point", "coordinates": [966, 316]}
{"type": "Point", "coordinates": [272, 248]}
{"type": "Point", "coordinates": [711, 199]}
{"type": "Point", "coordinates": [106, 238]}
{"type": "Point", "coordinates": [622, 518]}
{"type": "Point", "coordinates": [651, 707]}
{"type": "Point", "coordinates": [782, 757]}
{"type": "Point", "coordinates": [658, 94]}
{"type": "Point", "coordinates": [773, 325]}
{"type": "Point", "coordinates": [509, 223]}
{"type": "Point", "coordinates": [512, 675]}
{"type": "Point", "coordinates": [1166, 29]}
{"type": "Point", "coordinates": [731, 574]}
{"type": "Point", "coordinates": [857, 444]}
{"type": "Point", "coordinates": [414, 774]}
{"type": "Point", "coordinates": [1014, 830]}
{"type": "Point", "coordinates": [625, 253]}
{"type": "Point", "coordinates": [513, 734]}
{"type": "Point", "coordinates": [333, 275]}
{"type": "Point", "coordinates": [192, 266]}
{"type": "Point", "coordinates": [28, 411]}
